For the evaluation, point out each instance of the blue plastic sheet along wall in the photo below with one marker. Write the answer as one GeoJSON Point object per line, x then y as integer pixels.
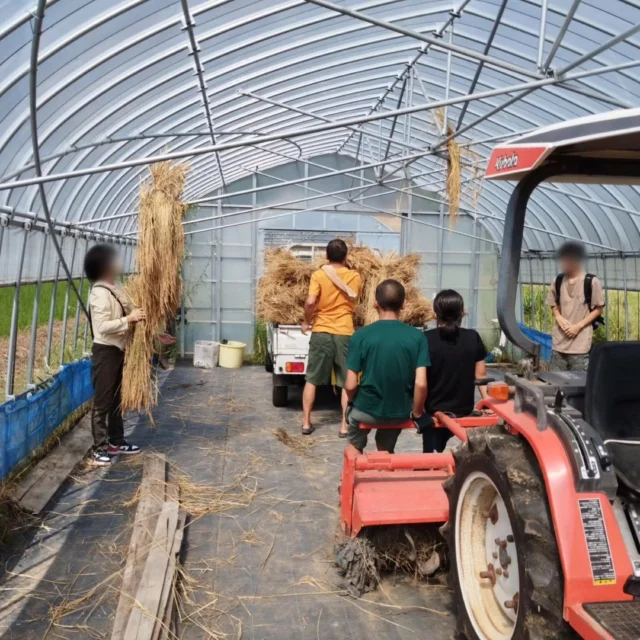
{"type": "Point", "coordinates": [26, 422]}
{"type": "Point", "coordinates": [543, 339]}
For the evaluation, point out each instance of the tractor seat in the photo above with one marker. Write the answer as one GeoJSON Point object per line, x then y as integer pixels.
{"type": "Point", "coordinates": [612, 404]}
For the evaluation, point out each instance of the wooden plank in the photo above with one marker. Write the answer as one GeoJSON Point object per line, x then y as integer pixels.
{"type": "Point", "coordinates": [152, 494]}
{"type": "Point", "coordinates": [38, 486]}
{"type": "Point", "coordinates": [147, 601]}
{"type": "Point", "coordinates": [167, 599]}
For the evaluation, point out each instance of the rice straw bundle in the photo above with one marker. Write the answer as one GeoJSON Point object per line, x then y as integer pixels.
{"type": "Point", "coordinates": [283, 289]}
{"type": "Point", "coordinates": [157, 287]}
{"type": "Point", "coordinates": [454, 166]}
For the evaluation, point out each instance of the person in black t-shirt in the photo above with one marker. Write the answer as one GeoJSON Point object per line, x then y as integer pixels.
{"type": "Point", "coordinates": [457, 360]}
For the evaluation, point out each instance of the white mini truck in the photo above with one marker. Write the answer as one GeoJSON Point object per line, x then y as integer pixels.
{"type": "Point", "coordinates": [286, 359]}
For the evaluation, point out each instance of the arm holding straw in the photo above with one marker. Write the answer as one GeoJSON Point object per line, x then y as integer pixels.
{"type": "Point", "coordinates": [311, 303]}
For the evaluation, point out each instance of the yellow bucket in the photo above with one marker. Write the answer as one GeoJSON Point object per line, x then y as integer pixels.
{"type": "Point", "coordinates": [231, 355]}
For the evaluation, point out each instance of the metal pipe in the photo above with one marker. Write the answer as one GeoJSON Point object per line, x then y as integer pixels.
{"type": "Point", "coordinates": [606, 295]}
{"type": "Point", "coordinates": [435, 42]}
{"type": "Point", "coordinates": [52, 309]}
{"type": "Point", "coordinates": [487, 48]}
{"type": "Point", "coordinates": [542, 32]}
{"type": "Point", "coordinates": [65, 314]}
{"type": "Point", "coordinates": [544, 297]}
{"type": "Point", "coordinates": [195, 52]}
{"type": "Point", "coordinates": [67, 226]}
{"type": "Point", "coordinates": [556, 44]}
{"type": "Point", "coordinates": [533, 297]}
{"type": "Point", "coordinates": [105, 168]}
{"type": "Point", "coordinates": [447, 86]}
{"type": "Point", "coordinates": [76, 327]}
{"type": "Point", "coordinates": [254, 248]}
{"type": "Point", "coordinates": [455, 13]}
{"type": "Point", "coordinates": [34, 315]}
{"type": "Point", "coordinates": [33, 108]}
{"type": "Point", "coordinates": [598, 50]}
{"type": "Point", "coordinates": [394, 123]}
{"type": "Point", "coordinates": [15, 314]}
{"type": "Point", "coordinates": [311, 114]}
{"type": "Point", "coordinates": [218, 277]}
{"type": "Point", "coordinates": [626, 298]}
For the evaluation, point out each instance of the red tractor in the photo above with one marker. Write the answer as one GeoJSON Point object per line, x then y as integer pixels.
{"type": "Point", "coordinates": [542, 500]}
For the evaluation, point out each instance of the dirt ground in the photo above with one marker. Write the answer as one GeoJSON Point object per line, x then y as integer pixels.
{"type": "Point", "coordinates": [257, 562]}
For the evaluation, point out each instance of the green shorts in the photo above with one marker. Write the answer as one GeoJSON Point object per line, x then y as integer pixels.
{"type": "Point", "coordinates": [327, 351]}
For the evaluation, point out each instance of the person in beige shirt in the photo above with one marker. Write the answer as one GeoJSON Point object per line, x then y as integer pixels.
{"type": "Point", "coordinates": [112, 315]}
{"type": "Point", "coordinates": [572, 333]}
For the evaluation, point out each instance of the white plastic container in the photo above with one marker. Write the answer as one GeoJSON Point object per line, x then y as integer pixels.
{"type": "Point", "coordinates": [232, 354]}
{"type": "Point", "coordinates": [205, 354]}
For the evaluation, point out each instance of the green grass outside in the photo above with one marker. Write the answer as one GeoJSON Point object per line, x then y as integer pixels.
{"type": "Point", "coordinates": [615, 320]}
{"type": "Point", "coordinates": [27, 299]}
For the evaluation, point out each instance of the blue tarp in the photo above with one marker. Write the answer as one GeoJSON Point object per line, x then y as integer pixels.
{"type": "Point", "coordinates": [543, 339]}
{"type": "Point", "coordinates": [26, 422]}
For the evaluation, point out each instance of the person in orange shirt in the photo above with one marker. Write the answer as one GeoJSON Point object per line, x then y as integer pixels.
{"type": "Point", "coordinates": [328, 312]}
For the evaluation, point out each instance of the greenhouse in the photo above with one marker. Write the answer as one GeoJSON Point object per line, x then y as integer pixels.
{"type": "Point", "coordinates": [280, 126]}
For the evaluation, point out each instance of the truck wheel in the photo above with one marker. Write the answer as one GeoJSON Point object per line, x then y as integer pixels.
{"type": "Point", "coordinates": [504, 555]}
{"type": "Point", "coordinates": [268, 363]}
{"type": "Point", "coordinates": [280, 396]}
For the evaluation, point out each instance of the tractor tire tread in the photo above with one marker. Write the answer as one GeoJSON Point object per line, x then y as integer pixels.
{"type": "Point", "coordinates": [510, 458]}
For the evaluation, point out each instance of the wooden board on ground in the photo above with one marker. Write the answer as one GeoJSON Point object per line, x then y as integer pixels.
{"type": "Point", "coordinates": [165, 610]}
{"type": "Point", "coordinates": [146, 610]}
{"type": "Point", "coordinates": [152, 497]}
{"type": "Point", "coordinates": [38, 487]}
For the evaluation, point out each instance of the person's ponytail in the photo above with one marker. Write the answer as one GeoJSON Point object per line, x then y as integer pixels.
{"type": "Point", "coordinates": [449, 309]}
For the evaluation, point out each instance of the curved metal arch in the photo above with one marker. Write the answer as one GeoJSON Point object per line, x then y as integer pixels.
{"type": "Point", "coordinates": [117, 188]}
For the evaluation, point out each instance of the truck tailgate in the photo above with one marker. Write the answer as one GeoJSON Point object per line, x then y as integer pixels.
{"type": "Point", "coordinates": [289, 340]}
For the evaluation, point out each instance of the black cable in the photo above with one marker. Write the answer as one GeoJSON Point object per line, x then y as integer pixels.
{"type": "Point", "coordinates": [38, 17]}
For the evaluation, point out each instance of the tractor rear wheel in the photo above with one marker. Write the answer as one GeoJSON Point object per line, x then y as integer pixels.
{"type": "Point", "coordinates": [504, 556]}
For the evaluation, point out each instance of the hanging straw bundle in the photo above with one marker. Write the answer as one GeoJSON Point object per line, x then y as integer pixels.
{"type": "Point", "coordinates": [283, 289]}
{"type": "Point", "coordinates": [454, 166]}
{"type": "Point", "coordinates": [158, 286]}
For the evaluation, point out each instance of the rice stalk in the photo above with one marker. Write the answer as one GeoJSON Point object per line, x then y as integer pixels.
{"type": "Point", "coordinates": [283, 289]}
{"type": "Point", "coordinates": [158, 286]}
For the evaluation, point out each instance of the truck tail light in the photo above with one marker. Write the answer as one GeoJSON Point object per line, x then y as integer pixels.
{"type": "Point", "coordinates": [294, 367]}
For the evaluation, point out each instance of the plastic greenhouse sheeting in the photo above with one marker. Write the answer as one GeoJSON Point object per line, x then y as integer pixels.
{"type": "Point", "coordinates": [26, 423]}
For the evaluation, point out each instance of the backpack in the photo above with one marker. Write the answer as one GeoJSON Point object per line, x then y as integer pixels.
{"type": "Point", "coordinates": [100, 286]}
{"type": "Point", "coordinates": [588, 292]}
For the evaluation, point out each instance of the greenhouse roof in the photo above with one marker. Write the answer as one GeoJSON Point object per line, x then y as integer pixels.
{"type": "Point", "coordinates": [235, 85]}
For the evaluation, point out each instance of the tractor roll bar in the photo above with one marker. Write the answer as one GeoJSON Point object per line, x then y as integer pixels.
{"type": "Point", "coordinates": [514, 230]}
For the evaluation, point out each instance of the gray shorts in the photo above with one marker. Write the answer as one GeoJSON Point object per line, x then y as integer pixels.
{"type": "Point", "coordinates": [569, 361]}
{"type": "Point", "coordinates": [386, 439]}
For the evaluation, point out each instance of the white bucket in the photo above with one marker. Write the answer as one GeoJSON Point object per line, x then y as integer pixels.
{"type": "Point", "coordinates": [205, 354]}
{"type": "Point", "coordinates": [232, 355]}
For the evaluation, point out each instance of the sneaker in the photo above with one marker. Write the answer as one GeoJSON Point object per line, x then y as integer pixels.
{"type": "Point", "coordinates": [100, 458]}
{"type": "Point", "coordinates": [125, 449]}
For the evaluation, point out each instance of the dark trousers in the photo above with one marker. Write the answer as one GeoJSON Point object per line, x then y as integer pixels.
{"type": "Point", "coordinates": [107, 427]}
{"type": "Point", "coordinates": [434, 439]}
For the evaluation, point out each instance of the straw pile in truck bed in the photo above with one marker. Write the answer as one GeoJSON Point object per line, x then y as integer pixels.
{"type": "Point", "coordinates": [158, 285]}
{"type": "Point", "coordinates": [283, 289]}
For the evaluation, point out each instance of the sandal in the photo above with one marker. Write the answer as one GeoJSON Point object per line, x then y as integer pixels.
{"type": "Point", "coordinates": [309, 431]}
{"type": "Point", "coordinates": [343, 435]}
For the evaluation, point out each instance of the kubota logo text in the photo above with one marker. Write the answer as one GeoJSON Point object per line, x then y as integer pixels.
{"type": "Point", "coordinates": [507, 162]}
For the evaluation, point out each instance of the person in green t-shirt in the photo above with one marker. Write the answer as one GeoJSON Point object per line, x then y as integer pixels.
{"type": "Point", "coordinates": [393, 359]}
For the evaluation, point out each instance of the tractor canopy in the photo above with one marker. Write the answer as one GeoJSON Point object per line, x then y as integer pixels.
{"type": "Point", "coordinates": [601, 138]}
{"type": "Point", "coordinates": [600, 149]}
